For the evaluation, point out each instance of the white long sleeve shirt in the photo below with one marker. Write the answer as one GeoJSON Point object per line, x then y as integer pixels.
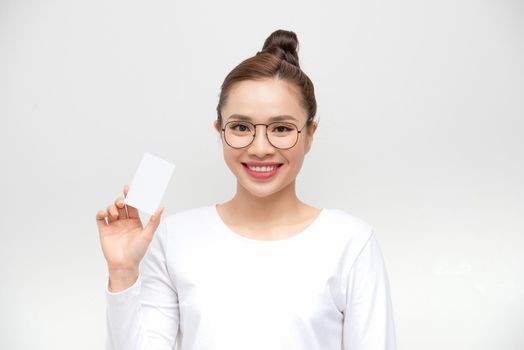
{"type": "Point", "coordinates": [202, 286]}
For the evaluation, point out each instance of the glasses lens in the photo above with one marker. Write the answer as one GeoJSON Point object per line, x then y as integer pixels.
{"type": "Point", "coordinates": [282, 135]}
{"type": "Point", "coordinates": [239, 134]}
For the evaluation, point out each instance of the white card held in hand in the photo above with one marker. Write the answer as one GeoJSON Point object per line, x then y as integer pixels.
{"type": "Point", "coordinates": [150, 183]}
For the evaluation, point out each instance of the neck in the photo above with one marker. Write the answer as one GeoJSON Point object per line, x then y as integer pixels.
{"type": "Point", "coordinates": [272, 208]}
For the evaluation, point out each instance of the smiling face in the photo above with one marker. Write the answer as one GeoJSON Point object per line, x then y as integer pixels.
{"type": "Point", "coordinates": [261, 100]}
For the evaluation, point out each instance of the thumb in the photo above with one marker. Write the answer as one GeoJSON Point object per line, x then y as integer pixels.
{"type": "Point", "coordinates": [153, 223]}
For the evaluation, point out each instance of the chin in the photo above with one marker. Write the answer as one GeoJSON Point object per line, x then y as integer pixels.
{"type": "Point", "coordinates": [258, 191]}
{"type": "Point", "coordinates": [263, 190]}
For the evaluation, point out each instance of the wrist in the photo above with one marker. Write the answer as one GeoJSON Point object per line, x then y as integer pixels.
{"type": "Point", "coordinates": [121, 279]}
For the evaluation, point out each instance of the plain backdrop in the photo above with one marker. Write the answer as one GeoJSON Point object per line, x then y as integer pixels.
{"type": "Point", "coordinates": [420, 110]}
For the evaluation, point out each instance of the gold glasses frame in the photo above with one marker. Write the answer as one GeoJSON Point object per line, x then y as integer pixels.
{"type": "Point", "coordinates": [255, 132]}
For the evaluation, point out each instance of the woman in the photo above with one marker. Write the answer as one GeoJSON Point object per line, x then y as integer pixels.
{"type": "Point", "coordinates": [263, 270]}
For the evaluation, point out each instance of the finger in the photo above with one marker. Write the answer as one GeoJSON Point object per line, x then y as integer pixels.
{"type": "Point", "coordinates": [101, 219]}
{"type": "Point", "coordinates": [154, 221]}
{"type": "Point", "coordinates": [132, 212]}
{"type": "Point", "coordinates": [113, 213]}
{"type": "Point", "coordinates": [119, 203]}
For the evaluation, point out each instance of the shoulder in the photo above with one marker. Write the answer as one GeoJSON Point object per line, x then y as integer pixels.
{"type": "Point", "coordinates": [346, 220]}
{"type": "Point", "coordinates": [194, 225]}
{"type": "Point", "coordinates": [346, 229]}
{"type": "Point", "coordinates": [187, 218]}
{"type": "Point", "coordinates": [346, 224]}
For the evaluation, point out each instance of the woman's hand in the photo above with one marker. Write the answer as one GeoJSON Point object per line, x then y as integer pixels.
{"type": "Point", "coordinates": [124, 240]}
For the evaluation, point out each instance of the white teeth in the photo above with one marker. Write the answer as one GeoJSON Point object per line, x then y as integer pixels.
{"type": "Point", "coordinates": [263, 169]}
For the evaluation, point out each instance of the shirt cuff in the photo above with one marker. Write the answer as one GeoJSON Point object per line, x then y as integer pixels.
{"type": "Point", "coordinates": [125, 294]}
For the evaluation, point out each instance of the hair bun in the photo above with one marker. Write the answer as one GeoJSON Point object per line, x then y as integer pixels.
{"type": "Point", "coordinates": [282, 44]}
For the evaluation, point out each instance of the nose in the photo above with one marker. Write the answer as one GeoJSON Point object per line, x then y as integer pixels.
{"type": "Point", "coordinates": [260, 145]}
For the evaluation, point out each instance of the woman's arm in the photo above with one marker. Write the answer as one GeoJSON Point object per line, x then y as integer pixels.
{"type": "Point", "coordinates": [145, 316]}
{"type": "Point", "coordinates": [368, 318]}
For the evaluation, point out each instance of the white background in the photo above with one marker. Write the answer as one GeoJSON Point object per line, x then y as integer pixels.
{"type": "Point", "coordinates": [421, 129]}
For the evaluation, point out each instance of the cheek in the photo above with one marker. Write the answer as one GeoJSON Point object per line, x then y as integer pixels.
{"type": "Point", "coordinates": [297, 157]}
{"type": "Point", "coordinates": [231, 157]}
{"type": "Point", "coordinates": [294, 158]}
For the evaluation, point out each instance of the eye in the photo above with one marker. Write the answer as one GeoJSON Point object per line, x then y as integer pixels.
{"type": "Point", "coordinates": [281, 128]}
{"type": "Point", "coordinates": [239, 127]}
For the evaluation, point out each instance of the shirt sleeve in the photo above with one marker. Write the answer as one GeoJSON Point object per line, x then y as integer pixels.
{"type": "Point", "coordinates": [368, 318]}
{"type": "Point", "coordinates": [145, 316]}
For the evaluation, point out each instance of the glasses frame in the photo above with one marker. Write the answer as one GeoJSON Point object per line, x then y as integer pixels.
{"type": "Point", "coordinates": [255, 133]}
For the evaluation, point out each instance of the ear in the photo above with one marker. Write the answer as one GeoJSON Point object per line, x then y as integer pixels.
{"type": "Point", "coordinates": [309, 137]}
{"type": "Point", "coordinates": [215, 125]}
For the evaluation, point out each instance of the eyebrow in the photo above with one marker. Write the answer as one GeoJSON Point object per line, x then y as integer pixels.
{"type": "Point", "coordinates": [275, 118]}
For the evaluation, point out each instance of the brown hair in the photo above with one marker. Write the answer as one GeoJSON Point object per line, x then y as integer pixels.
{"type": "Point", "coordinates": [278, 58]}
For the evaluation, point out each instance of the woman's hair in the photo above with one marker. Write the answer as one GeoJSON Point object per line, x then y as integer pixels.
{"type": "Point", "coordinates": [278, 58]}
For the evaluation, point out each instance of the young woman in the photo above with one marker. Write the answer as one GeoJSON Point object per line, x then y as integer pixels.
{"type": "Point", "coordinates": [263, 270]}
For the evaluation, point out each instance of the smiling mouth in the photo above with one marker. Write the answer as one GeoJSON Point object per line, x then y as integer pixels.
{"type": "Point", "coordinates": [277, 166]}
{"type": "Point", "coordinates": [262, 173]}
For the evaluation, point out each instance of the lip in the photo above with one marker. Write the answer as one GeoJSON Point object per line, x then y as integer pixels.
{"type": "Point", "coordinates": [262, 163]}
{"type": "Point", "coordinates": [265, 175]}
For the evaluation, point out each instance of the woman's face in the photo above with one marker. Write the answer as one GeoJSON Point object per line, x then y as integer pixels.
{"type": "Point", "coordinates": [260, 100]}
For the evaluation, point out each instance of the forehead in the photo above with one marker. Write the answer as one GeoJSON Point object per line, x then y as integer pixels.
{"type": "Point", "coordinates": [261, 100]}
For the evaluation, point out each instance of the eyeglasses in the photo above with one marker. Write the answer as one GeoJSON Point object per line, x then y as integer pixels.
{"type": "Point", "coordinates": [240, 134]}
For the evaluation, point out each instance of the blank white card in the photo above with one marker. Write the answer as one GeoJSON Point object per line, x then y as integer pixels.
{"type": "Point", "coordinates": [149, 184]}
